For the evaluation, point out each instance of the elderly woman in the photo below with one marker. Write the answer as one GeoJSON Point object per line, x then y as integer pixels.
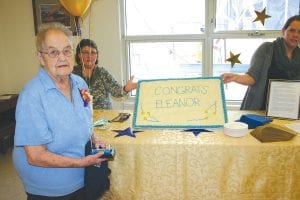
{"type": "Point", "coordinates": [101, 83]}
{"type": "Point", "coordinates": [53, 123]}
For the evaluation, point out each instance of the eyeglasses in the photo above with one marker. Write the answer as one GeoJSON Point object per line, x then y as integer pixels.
{"type": "Point", "coordinates": [89, 53]}
{"type": "Point", "coordinates": [54, 53]}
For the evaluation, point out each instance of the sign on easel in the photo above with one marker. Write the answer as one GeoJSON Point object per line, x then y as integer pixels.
{"type": "Point", "coordinates": [180, 103]}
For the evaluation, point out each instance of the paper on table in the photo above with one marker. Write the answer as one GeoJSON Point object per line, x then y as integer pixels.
{"type": "Point", "coordinates": [294, 126]}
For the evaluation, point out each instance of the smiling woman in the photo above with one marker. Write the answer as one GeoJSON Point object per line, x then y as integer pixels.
{"type": "Point", "coordinates": [279, 59]}
{"type": "Point", "coordinates": [101, 83]}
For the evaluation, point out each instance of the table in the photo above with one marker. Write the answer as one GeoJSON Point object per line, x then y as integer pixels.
{"type": "Point", "coordinates": [7, 120]}
{"type": "Point", "coordinates": [176, 165]}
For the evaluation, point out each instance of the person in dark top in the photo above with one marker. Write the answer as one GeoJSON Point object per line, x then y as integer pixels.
{"type": "Point", "coordinates": [279, 59]}
{"type": "Point", "coordinates": [101, 83]}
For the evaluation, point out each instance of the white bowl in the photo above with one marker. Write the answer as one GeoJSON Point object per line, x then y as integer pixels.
{"type": "Point", "coordinates": [236, 129]}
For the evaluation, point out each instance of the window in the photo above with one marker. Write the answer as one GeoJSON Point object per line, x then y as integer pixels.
{"type": "Point", "coordinates": [193, 38]}
{"type": "Point", "coordinates": [164, 59]}
{"type": "Point", "coordinates": [164, 17]}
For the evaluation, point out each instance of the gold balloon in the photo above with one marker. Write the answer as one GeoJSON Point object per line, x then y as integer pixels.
{"type": "Point", "coordinates": [76, 7]}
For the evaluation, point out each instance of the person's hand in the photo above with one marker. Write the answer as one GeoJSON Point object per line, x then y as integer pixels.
{"type": "Point", "coordinates": [229, 77]}
{"type": "Point", "coordinates": [244, 79]}
{"type": "Point", "coordinates": [94, 159]}
{"type": "Point", "coordinates": [130, 85]}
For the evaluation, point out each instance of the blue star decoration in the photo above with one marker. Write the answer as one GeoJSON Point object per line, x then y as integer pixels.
{"type": "Point", "coordinates": [128, 131]}
{"type": "Point", "coordinates": [196, 131]}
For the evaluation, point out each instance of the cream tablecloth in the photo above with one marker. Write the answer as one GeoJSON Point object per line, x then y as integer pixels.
{"type": "Point", "coordinates": [176, 165]}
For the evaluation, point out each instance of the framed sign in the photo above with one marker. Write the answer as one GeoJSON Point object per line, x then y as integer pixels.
{"type": "Point", "coordinates": [283, 99]}
{"type": "Point", "coordinates": [180, 103]}
{"type": "Point", "coordinates": [51, 11]}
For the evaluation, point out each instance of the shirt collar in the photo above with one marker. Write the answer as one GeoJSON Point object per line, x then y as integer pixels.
{"type": "Point", "coordinates": [49, 83]}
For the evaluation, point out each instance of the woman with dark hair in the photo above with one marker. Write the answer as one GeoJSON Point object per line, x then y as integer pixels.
{"type": "Point", "coordinates": [279, 59]}
{"type": "Point", "coordinates": [101, 83]}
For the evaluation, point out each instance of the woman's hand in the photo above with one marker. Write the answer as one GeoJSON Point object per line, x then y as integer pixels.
{"type": "Point", "coordinates": [229, 77]}
{"type": "Point", "coordinates": [130, 85]}
{"type": "Point", "coordinates": [39, 156]}
{"type": "Point", "coordinates": [94, 159]}
{"type": "Point", "coordinates": [243, 79]}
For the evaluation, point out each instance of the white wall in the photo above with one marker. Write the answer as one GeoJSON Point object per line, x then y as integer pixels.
{"type": "Point", "coordinates": [101, 24]}
{"type": "Point", "coordinates": [17, 50]}
{"type": "Point", "coordinates": [17, 64]}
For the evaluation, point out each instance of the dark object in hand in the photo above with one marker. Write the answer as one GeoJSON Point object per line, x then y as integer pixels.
{"type": "Point", "coordinates": [96, 179]}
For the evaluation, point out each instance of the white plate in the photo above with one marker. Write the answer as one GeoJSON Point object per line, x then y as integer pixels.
{"type": "Point", "coordinates": [236, 129]}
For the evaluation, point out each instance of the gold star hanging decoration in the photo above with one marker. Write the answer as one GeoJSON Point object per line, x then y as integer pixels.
{"type": "Point", "coordinates": [233, 59]}
{"type": "Point", "coordinates": [261, 16]}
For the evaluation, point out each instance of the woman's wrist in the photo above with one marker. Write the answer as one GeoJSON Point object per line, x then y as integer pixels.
{"type": "Point", "coordinates": [124, 89]}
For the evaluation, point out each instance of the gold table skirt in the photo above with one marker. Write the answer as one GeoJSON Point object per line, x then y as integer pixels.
{"type": "Point", "coordinates": [174, 165]}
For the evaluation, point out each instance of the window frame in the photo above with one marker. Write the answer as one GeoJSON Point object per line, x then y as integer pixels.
{"type": "Point", "coordinates": [206, 38]}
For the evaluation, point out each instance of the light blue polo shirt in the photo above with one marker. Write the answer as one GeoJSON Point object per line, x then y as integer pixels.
{"type": "Point", "coordinates": [44, 116]}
